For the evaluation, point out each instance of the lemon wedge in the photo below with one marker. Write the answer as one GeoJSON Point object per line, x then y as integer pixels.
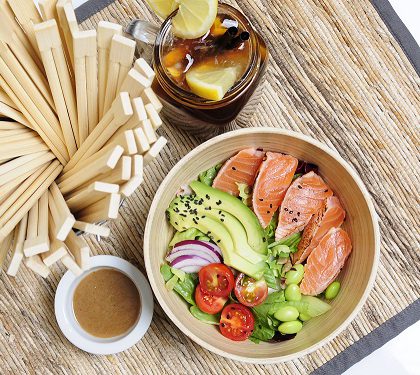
{"type": "Point", "coordinates": [211, 82]}
{"type": "Point", "coordinates": [163, 8]}
{"type": "Point", "coordinates": [194, 17]}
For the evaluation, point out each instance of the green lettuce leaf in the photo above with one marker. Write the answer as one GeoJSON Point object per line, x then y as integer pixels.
{"type": "Point", "coordinates": [184, 288]}
{"type": "Point", "coordinates": [245, 193]}
{"type": "Point", "coordinates": [189, 234]}
{"type": "Point", "coordinates": [208, 176]}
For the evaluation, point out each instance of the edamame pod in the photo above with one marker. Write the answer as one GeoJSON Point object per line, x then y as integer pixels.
{"type": "Point", "coordinates": [295, 275]}
{"type": "Point", "coordinates": [332, 290]}
{"type": "Point", "coordinates": [292, 293]}
{"type": "Point", "coordinates": [304, 317]}
{"type": "Point", "coordinates": [286, 313]}
{"type": "Point", "coordinates": [288, 328]}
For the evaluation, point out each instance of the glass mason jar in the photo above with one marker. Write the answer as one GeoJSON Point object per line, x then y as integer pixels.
{"type": "Point", "coordinates": [197, 115]}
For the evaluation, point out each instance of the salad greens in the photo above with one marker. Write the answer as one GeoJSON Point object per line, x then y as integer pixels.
{"type": "Point", "coordinates": [208, 176]}
{"type": "Point", "coordinates": [265, 324]}
{"type": "Point", "coordinates": [204, 317]}
{"type": "Point", "coordinates": [270, 231]}
{"type": "Point", "coordinates": [184, 288]}
{"type": "Point", "coordinates": [189, 234]}
{"type": "Point", "coordinates": [245, 193]}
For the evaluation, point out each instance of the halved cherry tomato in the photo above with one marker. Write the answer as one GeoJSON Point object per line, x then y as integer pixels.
{"type": "Point", "coordinates": [250, 292]}
{"type": "Point", "coordinates": [207, 303]}
{"type": "Point", "coordinates": [236, 322]}
{"type": "Point", "coordinates": [216, 279]}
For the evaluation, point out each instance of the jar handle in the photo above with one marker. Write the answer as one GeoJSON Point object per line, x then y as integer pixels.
{"type": "Point", "coordinates": [145, 34]}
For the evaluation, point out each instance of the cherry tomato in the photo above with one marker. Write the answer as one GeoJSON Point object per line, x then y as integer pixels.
{"type": "Point", "coordinates": [250, 292]}
{"type": "Point", "coordinates": [216, 279]}
{"type": "Point", "coordinates": [236, 322]}
{"type": "Point", "coordinates": [207, 303]}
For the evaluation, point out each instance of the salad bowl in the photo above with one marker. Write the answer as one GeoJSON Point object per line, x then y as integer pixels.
{"type": "Point", "coordinates": [357, 277]}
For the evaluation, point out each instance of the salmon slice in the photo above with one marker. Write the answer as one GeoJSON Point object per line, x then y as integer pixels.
{"type": "Point", "coordinates": [304, 198]}
{"type": "Point", "coordinates": [274, 177]}
{"type": "Point", "coordinates": [241, 168]}
{"type": "Point", "coordinates": [325, 261]}
{"type": "Point", "coordinates": [331, 215]}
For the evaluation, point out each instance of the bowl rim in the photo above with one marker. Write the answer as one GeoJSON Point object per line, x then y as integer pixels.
{"type": "Point", "coordinates": [275, 131]}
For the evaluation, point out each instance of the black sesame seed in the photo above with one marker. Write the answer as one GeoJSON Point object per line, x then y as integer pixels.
{"type": "Point", "coordinates": [291, 211]}
{"type": "Point", "coordinates": [261, 199]}
{"type": "Point", "coordinates": [268, 211]}
{"type": "Point", "coordinates": [298, 213]}
{"type": "Point", "coordinates": [299, 187]}
{"type": "Point", "coordinates": [271, 205]}
{"type": "Point", "coordinates": [233, 168]}
{"type": "Point", "coordinates": [286, 209]}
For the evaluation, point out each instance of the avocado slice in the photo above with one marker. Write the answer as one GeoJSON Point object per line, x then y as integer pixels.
{"type": "Point", "coordinates": [218, 233]}
{"type": "Point", "coordinates": [218, 199]}
{"type": "Point", "coordinates": [196, 208]}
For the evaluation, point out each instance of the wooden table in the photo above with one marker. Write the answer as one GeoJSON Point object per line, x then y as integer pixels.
{"type": "Point", "coordinates": [336, 74]}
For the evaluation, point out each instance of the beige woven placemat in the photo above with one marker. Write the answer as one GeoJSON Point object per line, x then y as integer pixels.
{"type": "Point", "coordinates": [336, 74]}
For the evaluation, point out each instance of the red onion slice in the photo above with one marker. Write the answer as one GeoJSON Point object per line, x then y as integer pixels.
{"type": "Point", "coordinates": [189, 260]}
{"type": "Point", "coordinates": [193, 250]}
{"type": "Point", "coordinates": [191, 269]}
{"type": "Point", "coordinates": [205, 244]}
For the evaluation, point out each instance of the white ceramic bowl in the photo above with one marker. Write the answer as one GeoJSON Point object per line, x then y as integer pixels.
{"type": "Point", "coordinates": [76, 335]}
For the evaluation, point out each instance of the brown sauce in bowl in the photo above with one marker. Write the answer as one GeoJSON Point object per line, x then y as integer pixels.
{"type": "Point", "coordinates": [106, 303]}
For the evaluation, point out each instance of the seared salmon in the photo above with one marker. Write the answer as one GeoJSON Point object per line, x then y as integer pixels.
{"type": "Point", "coordinates": [325, 261]}
{"type": "Point", "coordinates": [274, 177]}
{"type": "Point", "coordinates": [241, 168]}
{"type": "Point", "coordinates": [331, 215]}
{"type": "Point", "coordinates": [304, 198]}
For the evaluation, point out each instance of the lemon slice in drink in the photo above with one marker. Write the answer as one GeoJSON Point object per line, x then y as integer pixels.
{"type": "Point", "coordinates": [163, 8]}
{"type": "Point", "coordinates": [194, 17]}
{"type": "Point", "coordinates": [211, 82]}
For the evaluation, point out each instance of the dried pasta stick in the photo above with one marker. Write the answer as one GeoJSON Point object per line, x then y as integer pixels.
{"type": "Point", "coordinates": [121, 56]}
{"type": "Point", "coordinates": [154, 151]}
{"type": "Point", "coordinates": [98, 230]}
{"type": "Point", "coordinates": [36, 264]}
{"type": "Point", "coordinates": [39, 241]}
{"type": "Point", "coordinates": [85, 71]}
{"type": "Point", "coordinates": [104, 209]}
{"type": "Point", "coordinates": [17, 253]}
{"type": "Point", "coordinates": [119, 113]}
{"type": "Point", "coordinates": [79, 249]}
{"type": "Point", "coordinates": [104, 164]}
{"type": "Point", "coordinates": [93, 193]}
{"type": "Point", "coordinates": [106, 32]}
{"type": "Point", "coordinates": [10, 219]}
{"type": "Point", "coordinates": [54, 61]}
{"type": "Point", "coordinates": [69, 262]}
{"type": "Point", "coordinates": [5, 246]}
{"type": "Point", "coordinates": [62, 217]}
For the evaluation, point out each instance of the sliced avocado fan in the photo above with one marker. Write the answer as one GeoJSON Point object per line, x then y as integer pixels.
{"type": "Point", "coordinates": [220, 200]}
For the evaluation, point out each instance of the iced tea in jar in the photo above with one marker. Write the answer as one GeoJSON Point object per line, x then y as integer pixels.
{"type": "Point", "coordinates": [208, 82]}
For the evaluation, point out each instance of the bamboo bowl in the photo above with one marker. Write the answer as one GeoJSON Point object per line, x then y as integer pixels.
{"type": "Point", "coordinates": [357, 276]}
